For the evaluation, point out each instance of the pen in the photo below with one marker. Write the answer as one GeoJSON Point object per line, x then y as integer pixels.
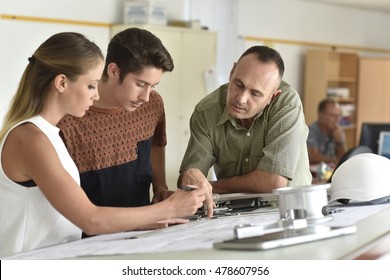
{"type": "Point", "coordinates": [186, 188]}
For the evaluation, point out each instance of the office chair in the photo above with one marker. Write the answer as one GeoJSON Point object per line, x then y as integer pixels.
{"type": "Point", "coordinates": [350, 153]}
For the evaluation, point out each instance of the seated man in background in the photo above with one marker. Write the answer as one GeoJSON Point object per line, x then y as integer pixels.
{"type": "Point", "coordinates": [326, 141]}
{"type": "Point", "coordinates": [252, 130]}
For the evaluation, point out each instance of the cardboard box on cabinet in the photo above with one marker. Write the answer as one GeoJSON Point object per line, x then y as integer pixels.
{"type": "Point", "coordinates": [144, 12]}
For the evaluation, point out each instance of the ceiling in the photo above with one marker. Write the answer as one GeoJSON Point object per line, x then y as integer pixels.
{"type": "Point", "coordinates": [377, 5]}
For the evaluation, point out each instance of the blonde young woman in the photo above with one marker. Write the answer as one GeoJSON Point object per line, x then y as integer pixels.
{"type": "Point", "coordinates": [41, 201]}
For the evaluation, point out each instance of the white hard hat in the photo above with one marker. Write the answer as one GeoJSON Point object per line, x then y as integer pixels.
{"type": "Point", "coordinates": [362, 178]}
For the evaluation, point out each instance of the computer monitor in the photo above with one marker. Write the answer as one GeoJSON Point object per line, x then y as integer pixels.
{"type": "Point", "coordinates": [384, 144]}
{"type": "Point", "coordinates": [370, 134]}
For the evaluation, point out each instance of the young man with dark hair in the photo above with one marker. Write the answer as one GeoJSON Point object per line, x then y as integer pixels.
{"type": "Point", "coordinates": [119, 145]}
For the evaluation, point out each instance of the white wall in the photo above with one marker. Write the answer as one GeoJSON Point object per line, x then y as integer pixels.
{"type": "Point", "coordinates": [19, 39]}
{"type": "Point", "coordinates": [292, 20]}
{"type": "Point", "coordinates": [220, 16]}
{"type": "Point", "coordinates": [232, 19]}
{"type": "Point", "coordinates": [310, 22]}
{"type": "Point", "coordinates": [315, 22]}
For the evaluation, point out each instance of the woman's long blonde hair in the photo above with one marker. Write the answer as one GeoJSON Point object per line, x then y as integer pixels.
{"type": "Point", "coordinates": [67, 53]}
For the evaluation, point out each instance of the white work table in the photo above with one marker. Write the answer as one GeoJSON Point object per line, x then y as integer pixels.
{"type": "Point", "coordinates": [193, 241]}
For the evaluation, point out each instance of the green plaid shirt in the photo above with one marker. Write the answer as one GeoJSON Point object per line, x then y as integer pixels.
{"type": "Point", "coordinates": [275, 143]}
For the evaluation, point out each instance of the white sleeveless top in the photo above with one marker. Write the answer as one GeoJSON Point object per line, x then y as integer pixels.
{"type": "Point", "coordinates": [27, 220]}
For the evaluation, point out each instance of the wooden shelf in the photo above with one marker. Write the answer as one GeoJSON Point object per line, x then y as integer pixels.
{"type": "Point", "coordinates": [342, 79]}
{"type": "Point", "coordinates": [344, 100]}
{"type": "Point", "coordinates": [374, 91]}
{"type": "Point", "coordinates": [329, 69]}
